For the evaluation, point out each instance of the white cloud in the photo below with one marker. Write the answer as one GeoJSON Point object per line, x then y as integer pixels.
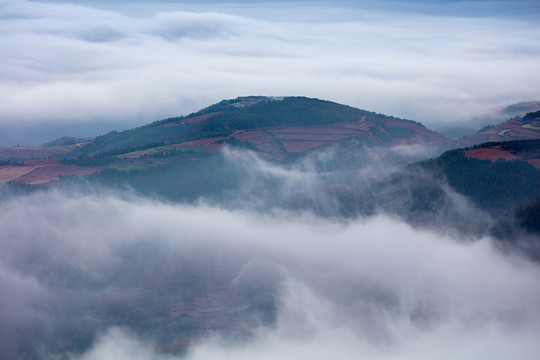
{"type": "Point", "coordinates": [74, 63]}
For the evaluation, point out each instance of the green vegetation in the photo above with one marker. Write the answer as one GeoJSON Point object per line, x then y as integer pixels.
{"type": "Point", "coordinates": [531, 126]}
{"type": "Point", "coordinates": [291, 111]}
{"type": "Point", "coordinates": [83, 160]}
{"type": "Point", "coordinates": [186, 177]}
{"type": "Point", "coordinates": [529, 217]}
{"type": "Point", "coordinates": [500, 184]}
{"type": "Point", "coordinates": [64, 141]}
{"type": "Point", "coordinates": [108, 157]}
{"type": "Point", "coordinates": [532, 115]}
{"type": "Point", "coordinates": [11, 163]}
{"type": "Point", "coordinates": [188, 148]}
{"type": "Point", "coordinates": [135, 139]}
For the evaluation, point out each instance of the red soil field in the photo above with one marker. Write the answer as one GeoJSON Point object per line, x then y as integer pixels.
{"type": "Point", "coordinates": [495, 153]}
{"type": "Point", "coordinates": [44, 174]}
{"type": "Point", "coordinates": [296, 146]}
{"type": "Point", "coordinates": [314, 133]}
{"type": "Point", "coordinates": [36, 172]}
{"type": "Point", "coordinates": [265, 143]}
{"type": "Point", "coordinates": [492, 153]}
{"type": "Point", "coordinates": [213, 148]}
{"type": "Point", "coordinates": [535, 163]}
{"type": "Point", "coordinates": [362, 126]}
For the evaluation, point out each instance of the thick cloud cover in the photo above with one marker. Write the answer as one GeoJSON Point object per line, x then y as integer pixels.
{"type": "Point", "coordinates": [375, 287]}
{"type": "Point", "coordinates": [132, 63]}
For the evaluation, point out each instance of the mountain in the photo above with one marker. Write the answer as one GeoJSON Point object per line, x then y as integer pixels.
{"type": "Point", "coordinates": [517, 128]}
{"type": "Point", "coordinates": [278, 129]}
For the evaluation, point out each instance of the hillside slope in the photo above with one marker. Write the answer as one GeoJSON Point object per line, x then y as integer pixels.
{"type": "Point", "coordinates": [517, 128]}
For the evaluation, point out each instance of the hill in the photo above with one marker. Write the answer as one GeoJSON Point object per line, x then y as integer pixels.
{"type": "Point", "coordinates": [278, 129]}
{"type": "Point", "coordinates": [517, 128]}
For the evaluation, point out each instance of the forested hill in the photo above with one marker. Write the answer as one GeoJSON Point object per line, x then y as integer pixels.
{"type": "Point", "coordinates": [495, 175]}
{"type": "Point", "coordinates": [274, 127]}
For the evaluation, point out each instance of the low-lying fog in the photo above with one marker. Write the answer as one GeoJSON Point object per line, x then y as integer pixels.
{"type": "Point", "coordinates": [372, 287]}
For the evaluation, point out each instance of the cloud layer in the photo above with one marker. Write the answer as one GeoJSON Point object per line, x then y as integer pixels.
{"type": "Point", "coordinates": [74, 63]}
{"type": "Point", "coordinates": [373, 287]}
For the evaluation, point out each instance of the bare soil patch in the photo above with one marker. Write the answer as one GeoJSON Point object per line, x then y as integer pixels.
{"type": "Point", "coordinates": [492, 153]}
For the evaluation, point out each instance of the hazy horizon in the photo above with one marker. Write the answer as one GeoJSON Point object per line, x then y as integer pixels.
{"type": "Point", "coordinates": [114, 65]}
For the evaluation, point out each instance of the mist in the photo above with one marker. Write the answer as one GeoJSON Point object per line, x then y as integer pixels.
{"type": "Point", "coordinates": [108, 275]}
{"type": "Point", "coordinates": [97, 63]}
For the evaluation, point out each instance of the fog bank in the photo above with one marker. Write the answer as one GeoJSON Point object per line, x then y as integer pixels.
{"type": "Point", "coordinates": [93, 273]}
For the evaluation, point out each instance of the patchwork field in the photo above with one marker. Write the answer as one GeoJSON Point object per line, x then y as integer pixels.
{"type": "Point", "coordinates": [497, 152]}
{"type": "Point", "coordinates": [37, 172]}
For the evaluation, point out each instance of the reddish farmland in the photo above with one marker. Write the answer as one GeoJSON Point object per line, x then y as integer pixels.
{"type": "Point", "coordinates": [510, 130]}
{"type": "Point", "coordinates": [496, 152]}
{"type": "Point", "coordinates": [268, 147]}
{"type": "Point", "coordinates": [36, 172]}
{"type": "Point", "coordinates": [213, 148]}
{"type": "Point", "coordinates": [492, 153]}
{"type": "Point", "coordinates": [297, 146]}
{"type": "Point", "coordinates": [276, 142]}
{"type": "Point", "coordinates": [318, 133]}
{"type": "Point", "coordinates": [534, 162]}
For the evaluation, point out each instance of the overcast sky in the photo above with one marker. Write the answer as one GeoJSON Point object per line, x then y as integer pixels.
{"type": "Point", "coordinates": [106, 65]}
